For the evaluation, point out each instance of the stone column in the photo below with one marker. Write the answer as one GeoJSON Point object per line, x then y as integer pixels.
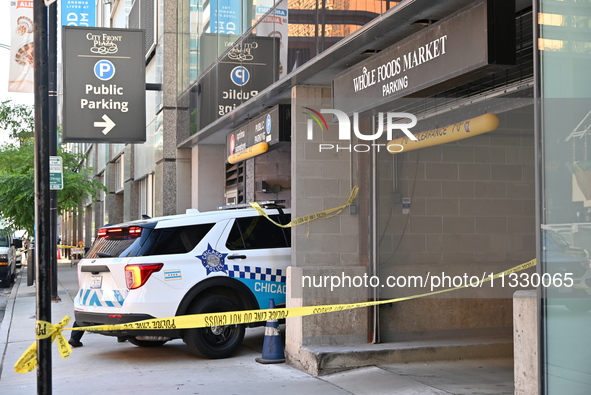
{"type": "Point", "coordinates": [525, 342]}
{"type": "Point", "coordinates": [172, 178]}
{"type": "Point", "coordinates": [327, 247]}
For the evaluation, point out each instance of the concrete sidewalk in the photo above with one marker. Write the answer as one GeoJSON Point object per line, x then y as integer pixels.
{"type": "Point", "coordinates": [105, 366]}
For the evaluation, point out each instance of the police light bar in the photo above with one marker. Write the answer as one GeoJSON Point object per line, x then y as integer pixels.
{"type": "Point", "coordinates": [264, 203]}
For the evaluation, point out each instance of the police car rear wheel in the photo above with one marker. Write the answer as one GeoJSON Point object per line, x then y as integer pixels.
{"type": "Point", "coordinates": [220, 341]}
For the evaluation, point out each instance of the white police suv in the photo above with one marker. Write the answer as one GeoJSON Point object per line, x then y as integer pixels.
{"type": "Point", "coordinates": [226, 260]}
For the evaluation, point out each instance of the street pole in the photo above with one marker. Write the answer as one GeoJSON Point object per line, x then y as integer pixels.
{"type": "Point", "coordinates": [42, 214]}
{"type": "Point", "coordinates": [52, 57]}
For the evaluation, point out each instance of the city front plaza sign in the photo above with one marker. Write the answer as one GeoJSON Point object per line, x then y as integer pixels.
{"type": "Point", "coordinates": [104, 85]}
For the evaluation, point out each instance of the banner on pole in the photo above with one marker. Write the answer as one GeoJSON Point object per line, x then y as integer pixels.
{"type": "Point", "coordinates": [78, 13]}
{"type": "Point", "coordinates": [275, 25]}
{"type": "Point", "coordinates": [22, 48]}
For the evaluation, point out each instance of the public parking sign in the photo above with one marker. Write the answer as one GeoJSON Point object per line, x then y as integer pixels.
{"type": "Point", "coordinates": [104, 85]}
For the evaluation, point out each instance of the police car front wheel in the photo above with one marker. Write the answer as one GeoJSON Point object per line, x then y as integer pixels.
{"type": "Point", "coordinates": [219, 341]}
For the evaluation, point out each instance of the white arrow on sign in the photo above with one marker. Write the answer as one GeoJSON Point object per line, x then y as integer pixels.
{"type": "Point", "coordinates": [107, 125]}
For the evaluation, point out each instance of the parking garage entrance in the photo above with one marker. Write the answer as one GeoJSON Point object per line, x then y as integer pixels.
{"type": "Point", "coordinates": [452, 215]}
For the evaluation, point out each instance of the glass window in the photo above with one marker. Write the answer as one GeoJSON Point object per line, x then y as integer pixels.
{"type": "Point", "coordinates": [179, 240]}
{"type": "Point", "coordinates": [146, 188]}
{"type": "Point", "coordinates": [102, 215]}
{"type": "Point", "coordinates": [253, 233]}
{"type": "Point", "coordinates": [119, 174]}
{"type": "Point", "coordinates": [119, 243]}
{"type": "Point", "coordinates": [565, 193]}
{"type": "Point", "coordinates": [303, 28]}
{"type": "Point", "coordinates": [144, 241]}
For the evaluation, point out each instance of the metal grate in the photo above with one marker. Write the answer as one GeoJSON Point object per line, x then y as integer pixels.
{"type": "Point", "coordinates": [143, 16]}
{"type": "Point", "coordinates": [148, 23]}
{"type": "Point", "coordinates": [235, 182]}
{"type": "Point", "coordinates": [133, 19]}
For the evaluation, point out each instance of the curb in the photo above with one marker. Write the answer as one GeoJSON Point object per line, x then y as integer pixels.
{"type": "Point", "coordinates": [7, 321]}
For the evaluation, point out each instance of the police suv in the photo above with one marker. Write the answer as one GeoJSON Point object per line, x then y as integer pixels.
{"type": "Point", "coordinates": [226, 260]}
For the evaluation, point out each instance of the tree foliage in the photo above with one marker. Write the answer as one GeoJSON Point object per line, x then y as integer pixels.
{"type": "Point", "coordinates": [17, 172]}
{"type": "Point", "coordinates": [17, 120]}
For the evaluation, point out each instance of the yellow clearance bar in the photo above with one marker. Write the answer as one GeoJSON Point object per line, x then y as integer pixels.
{"type": "Point", "coordinates": [250, 152]}
{"type": "Point", "coordinates": [458, 131]}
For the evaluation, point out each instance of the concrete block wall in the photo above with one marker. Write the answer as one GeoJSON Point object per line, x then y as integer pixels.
{"type": "Point", "coordinates": [274, 167]}
{"type": "Point", "coordinates": [472, 211]}
{"type": "Point", "coordinates": [207, 176]}
{"type": "Point", "coordinates": [320, 181]}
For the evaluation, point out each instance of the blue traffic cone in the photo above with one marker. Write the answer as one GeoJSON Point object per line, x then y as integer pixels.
{"type": "Point", "coordinates": [272, 344]}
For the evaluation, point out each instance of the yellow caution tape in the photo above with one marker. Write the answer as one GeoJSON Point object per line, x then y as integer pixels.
{"type": "Point", "coordinates": [28, 361]}
{"type": "Point", "coordinates": [311, 217]}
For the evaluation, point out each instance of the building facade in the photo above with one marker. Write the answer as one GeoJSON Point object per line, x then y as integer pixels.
{"type": "Point", "coordinates": [303, 101]}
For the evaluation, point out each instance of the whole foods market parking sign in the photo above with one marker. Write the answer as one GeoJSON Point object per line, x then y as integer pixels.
{"type": "Point", "coordinates": [104, 85]}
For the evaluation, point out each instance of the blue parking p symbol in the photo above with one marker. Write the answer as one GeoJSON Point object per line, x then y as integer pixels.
{"type": "Point", "coordinates": [104, 70]}
{"type": "Point", "coordinates": [268, 124]}
{"type": "Point", "coordinates": [240, 75]}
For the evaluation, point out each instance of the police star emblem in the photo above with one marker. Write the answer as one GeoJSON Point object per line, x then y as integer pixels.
{"type": "Point", "coordinates": [212, 260]}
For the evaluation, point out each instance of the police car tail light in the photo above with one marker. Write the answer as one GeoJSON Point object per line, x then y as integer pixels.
{"type": "Point", "coordinates": [137, 275]}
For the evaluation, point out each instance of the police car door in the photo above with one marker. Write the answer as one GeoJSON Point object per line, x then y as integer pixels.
{"type": "Point", "coordinates": [258, 253]}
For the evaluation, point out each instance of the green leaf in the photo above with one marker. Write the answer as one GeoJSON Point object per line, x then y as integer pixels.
{"type": "Point", "coordinates": [17, 172]}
